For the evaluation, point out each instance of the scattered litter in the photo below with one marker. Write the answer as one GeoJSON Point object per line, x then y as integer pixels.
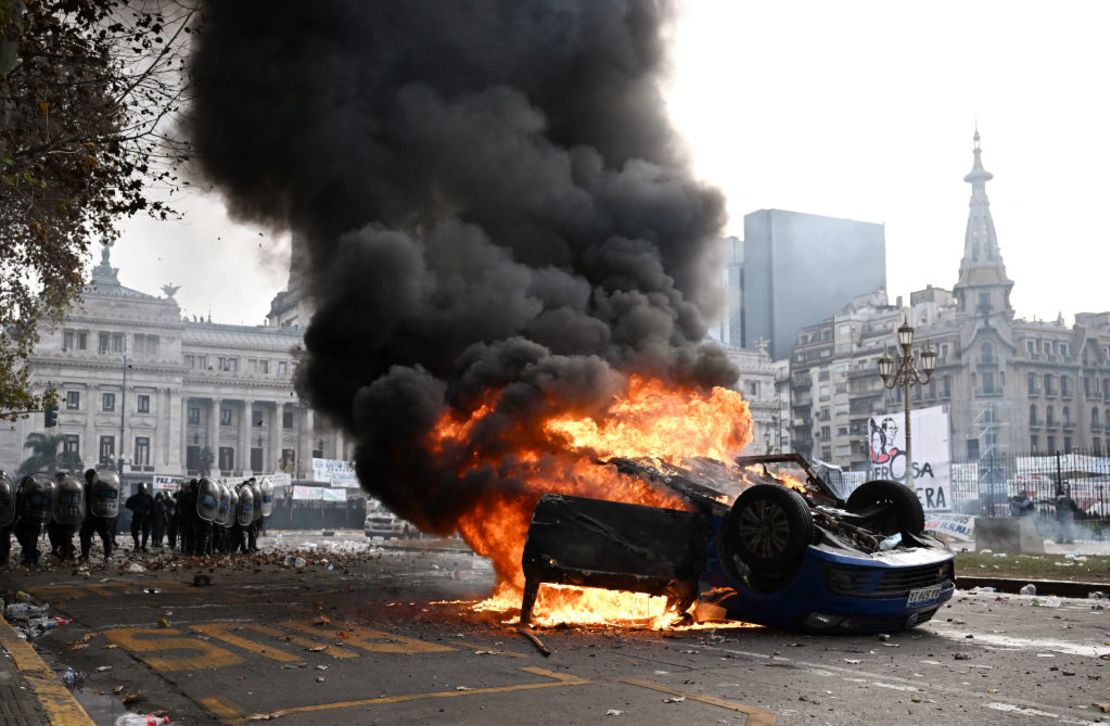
{"type": "Point", "coordinates": [961, 656]}
{"type": "Point", "coordinates": [72, 678]}
{"type": "Point", "coordinates": [1064, 564]}
{"type": "Point", "coordinates": [853, 661]}
{"type": "Point", "coordinates": [103, 668]}
{"type": "Point", "coordinates": [613, 712]}
{"type": "Point", "coordinates": [151, 590]}
{"type": "Point", "coordinates": [132, 697]}
{"type": "Point", "coordinates": [117, 689]}
{"type": "Point", "coordinates": [163, 623]}
{"type": "Point", "coordinates": [1028, 589]}
{"type": "Point", "coordinates": [1096, 595]}
{"type": "Point", "coordinates": [319, 679]}
{"type": "Point", "coordinates": [295, 562]}
{"type": "Point", "coordinates": [316, 648]}
{"type": "Point", "coordinates": [485, 652]}
{"type": "Point", "coordinates": [1049, 602]}
{"type": "Point", "coordinates": [322, 620]}
{"type": "Point", "coordinates": [1045, 655]}
{"type": "Point", "coordinates": [983, 589]}
{"type": "Point", "coordinates": [1000, 554]}
{"type": "Point", "coordinates": [462, 688]}
{"type": "Point", "coordinates": [321, 667]}
{"type": "Point", "coordinates": [151, 719]}
{"type": "Point", "coordinates": [135, 568]}
{"type": "Point", "coordinates": [535, 641]}
{"type": "Point", "coordinates": [1104, 707]}
{"type": "Point", "coordinates": [884, 637]}
{"type": "Point", "coordinates": [890, 542]}
{"type": "Point", "coordinates": [674, 699]}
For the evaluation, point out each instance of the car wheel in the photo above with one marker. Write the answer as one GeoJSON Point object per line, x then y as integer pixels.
{"type": "Point", "coordinates": [902, 513]}
{"type": "Point", "coordinates": [770, 526]}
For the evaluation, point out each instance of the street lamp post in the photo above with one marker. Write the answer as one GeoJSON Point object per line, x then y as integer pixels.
{"type": "Point", "coordinates": [122, 412]}
{"type": "Point", "coordinates": [906, 377]}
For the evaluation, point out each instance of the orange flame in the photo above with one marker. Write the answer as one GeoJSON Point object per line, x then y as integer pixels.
{"type": "Point", "coordinates": [651, 419]}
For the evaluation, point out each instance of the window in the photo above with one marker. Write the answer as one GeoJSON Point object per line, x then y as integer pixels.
{"type": "Point", "coordinates": [225, 417]}
{"type": "Point", "coordinates": [107, 449]}
{"type": "Point", "coordinates": [984, 301]}
{"type": "Point", "coordinates": [988, 382]}
{"type": "Point", "coordinates": [71, 444]}
{"type": "Point", "coordinates": [104, 343]}
{"type": "Point", "coordinates": [1031, 382]}
{"type": "Point", "coordinates": [1065, 414]}
{"type": "Point", "coordinates": [1049, 385]}
{"type": "Point", "coordinates": [986, 352]}
{"type": "Point", "coordinates": [202, 363]}
{"type": "Point", "coordinates": [75, 340]}
{"type": "Point", "coordinates": [264, 367]}
{"type": "Point", "coordinates": [283, 368]}
{"type": "Point", "coordinates": [227, 458]}
{"type": "Point", "coordinates": [146, 345]}
{"type": "Point", "coordinates": [1033, 442]}
{"type": "Point", "coordinates": [229, 365]}
{"type": "Point", "coordinates": [1096, 444]}
{"type": "Point", "coordinates": [753, 389]}
{"type": "Point", "coordinates": [1033, 415]}
{"type": "Point", "coordinates": [1064, 350]}
{"type": "Point", "coordinates": [144, 403]}
{"type": "Point", "coordinates": [108, 402]}
{"type": "Point", "coordinates": [1051, 443]}
{"type": "Point", "coordinates": [190, 361]}
{"type": "Point", "coordinates": [73, 400]}
{"type": "Point", "coordinates": [194, 415]}
{"type": "Point", "coordinates": [1067, 444]}
{"type": "Point", "coordinates": [1094, 417]}
{"type": "Point", "coordinates": [1065, 385]}
{"type": "Point", "coordinates": [944, 351]}
{"type": "Point", "coordinates": [947, 393]}
{"type": "Point", "coordinates": [1050, 416]}
{"type": "Point", "coordinates": [287, 419]}
{"type": "Point", "coordinates": [142, 451]}
{"type": "Point", "coordinates": [1030, 347]}
{"type": "Point", "coordinates": [119, 343]}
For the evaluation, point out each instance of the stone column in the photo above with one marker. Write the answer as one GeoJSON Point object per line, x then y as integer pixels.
{"type": "Point", "coordinates": [276, 430]}
{"type": "Point", "coordinates": [214, 433]}
{"type": "Point", "coordinates": [245, 428]}
{"type": "Point", "coordinates": [304, 444]}
{"type": "Point", "coordinates": [183, 440]}
{"type": "Point", "coordinates": [91, 446]}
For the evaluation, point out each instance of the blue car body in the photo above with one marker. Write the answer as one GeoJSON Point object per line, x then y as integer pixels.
{"type": "Point", "coordinates": [843, 591]}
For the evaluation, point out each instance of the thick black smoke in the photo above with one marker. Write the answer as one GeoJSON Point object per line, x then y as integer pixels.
{"type": "Point", "coordinates": [492, 198]}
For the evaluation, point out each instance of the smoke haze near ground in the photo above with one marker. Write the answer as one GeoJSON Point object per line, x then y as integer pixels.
{"type": "Point", "coordinates": [492, 199]}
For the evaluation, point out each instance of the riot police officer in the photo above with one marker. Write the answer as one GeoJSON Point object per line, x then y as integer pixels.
{"type": "Point", "coordinates": [102, 507]}
{"type": "Point", "coordinates": [34, 505]}
{"type": "Point", "coordinates": [207, 508]}
{"type": "Point", "coordinates": [141, 505]}
{"type": "Point", "coordinates": [67, 514]}
{"type": "Point", "coordinates": [7, 516]}
{"type": "Point", "coordinates": [158, 520]}
{"type": "Point", "coordinates": [187, 513]}
{"type": "Point", "coordinates": [169, 503]}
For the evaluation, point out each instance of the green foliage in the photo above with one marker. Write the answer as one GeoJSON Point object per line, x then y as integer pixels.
{"type": "Point", "coordinates": [83, 111]}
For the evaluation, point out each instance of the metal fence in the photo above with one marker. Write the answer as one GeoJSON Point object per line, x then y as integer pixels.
{"type": "Point", "coordinates": [990, 484]}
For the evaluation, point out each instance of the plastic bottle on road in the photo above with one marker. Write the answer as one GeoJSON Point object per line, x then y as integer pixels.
{"type": "Point", "coordinates": [138, 719]}
{"type": "Point", "coordinates": [1029, 589]}
{"type": "Point", "coordinates": [891, 542]}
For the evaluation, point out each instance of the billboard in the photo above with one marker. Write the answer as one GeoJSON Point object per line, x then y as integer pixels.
{"type": "Point", "coordinates": [931, 458]}
{"type": "Point", "coordinates": [336, 472]}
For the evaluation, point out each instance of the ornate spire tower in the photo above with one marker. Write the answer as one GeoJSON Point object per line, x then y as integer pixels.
{"type": "Point", "coordinates": [983, 288]}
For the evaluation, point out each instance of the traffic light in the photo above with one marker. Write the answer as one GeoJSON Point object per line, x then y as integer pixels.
{"type": "Point", "coordinates": [51, 412]}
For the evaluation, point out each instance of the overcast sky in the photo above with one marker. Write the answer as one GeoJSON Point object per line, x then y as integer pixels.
{"type": "Point", "coordinates": [850, 109]}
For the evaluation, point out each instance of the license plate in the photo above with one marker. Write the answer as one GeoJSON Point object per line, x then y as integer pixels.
{"type": "Point", "coordinates": [923, 594]}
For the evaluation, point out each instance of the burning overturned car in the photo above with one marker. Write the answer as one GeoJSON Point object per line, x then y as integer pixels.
{"type": "Point", "coordinates": [767, 540]}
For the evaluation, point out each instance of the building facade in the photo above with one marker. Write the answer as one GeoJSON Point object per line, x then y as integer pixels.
{"type": "Point", "coordinates": [163, 394]}
{"type": "Point", "coordinates": [798, 269]}
{"type": "Point", "coordinates": [1009, 385]}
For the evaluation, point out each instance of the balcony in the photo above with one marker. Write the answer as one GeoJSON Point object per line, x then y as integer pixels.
{"type": "Point", "coordinates": [1069, 426]}
{"type": "Point", "coordinates": [1036, 424]}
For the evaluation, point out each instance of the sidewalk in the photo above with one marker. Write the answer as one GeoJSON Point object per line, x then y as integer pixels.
{"type": "Point", "coordinates": [30, 693]}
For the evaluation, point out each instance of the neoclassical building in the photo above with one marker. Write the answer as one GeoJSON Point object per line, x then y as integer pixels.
{"type": "Point", "coordinates": [1010, 385]}
{"type": "Point", "coordinates": [141, 384]}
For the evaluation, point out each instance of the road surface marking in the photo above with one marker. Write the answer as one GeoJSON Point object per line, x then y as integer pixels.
{"type": "Point", "coordinates": [1038, 714]}
{"type": "Point", "coordinates": [373, 641]}
{"type": "Point", "coordinates": [556, 680]}
{"type": "Point", "coordinates": [220, 631]}
{"type": "Point", "coordinates": [103, 589]}
{"type": "Point", "coordinates": [756, 716]}
{"type": "Point", "coordinates": [303, 642]}
{"type": "Point", "coordinates": [211, 656]}
{"type": "Point", "coordinates": [60, 705]}
{"type": "Point", "coordinates": [220, 708]}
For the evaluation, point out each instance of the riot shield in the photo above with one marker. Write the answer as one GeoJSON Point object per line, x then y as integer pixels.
{"type": "Point", "coordinates": [223, 518]}
{"type": "Point", "coordinates": [208, 500]}
{"type": "Point", "coordinates": [267, 503]}
{"type": "Point", "coordinates": [104, 497]}
{"type": "Point", "coordinates": [7, 500]}
{"type": "Point", "coordinates": [36, 497]}
{"type": "Point", "coordinates": [69, 500]}
{"type": "Point", "coordinates": [246, 505]}
{"type": "Point", "coordinates": [256, 491]}
{"type": "Point", "coordinates": [233, 506]}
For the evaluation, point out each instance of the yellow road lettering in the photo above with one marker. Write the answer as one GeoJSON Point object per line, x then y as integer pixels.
{"type": "Point", "coordinates": [145, 642]}
{"type": "Point", "coordinates": [373, 641]}
{"type": "Point", "coordinates": [221, 631]}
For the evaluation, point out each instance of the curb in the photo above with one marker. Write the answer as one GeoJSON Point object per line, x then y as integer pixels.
{"type": "Point", "coordinates": [1060, 588]}
{"type": "Point", "coordinates": [60, 705]}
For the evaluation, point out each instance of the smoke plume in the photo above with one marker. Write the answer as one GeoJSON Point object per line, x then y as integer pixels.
{"type": "Point", "coordinates": [496, 212]}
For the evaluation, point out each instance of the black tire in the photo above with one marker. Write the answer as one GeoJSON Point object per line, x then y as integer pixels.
{"type": "Point", "coordinates": [770, 527]}
{"type": "Point", "coordinates": [903, 511]}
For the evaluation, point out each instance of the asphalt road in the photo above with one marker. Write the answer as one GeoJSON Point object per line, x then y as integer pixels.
{"type": "Point", "coordinates": [382, 638]}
